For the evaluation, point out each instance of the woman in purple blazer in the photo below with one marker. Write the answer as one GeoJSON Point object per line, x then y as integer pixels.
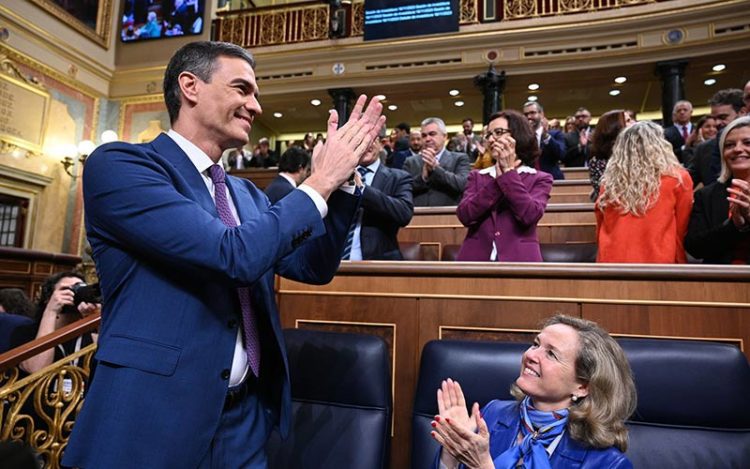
{"type": "Point", "coordinates": [503, 203]}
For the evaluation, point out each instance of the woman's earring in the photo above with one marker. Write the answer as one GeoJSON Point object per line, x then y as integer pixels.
{"type": "Point", "coordinates": [574, 398]}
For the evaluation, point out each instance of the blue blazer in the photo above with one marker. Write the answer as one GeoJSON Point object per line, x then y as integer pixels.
{"type": "Point", "coordinates": [169, 269]}
{"type": "Point", "coordinates": [504, 422]}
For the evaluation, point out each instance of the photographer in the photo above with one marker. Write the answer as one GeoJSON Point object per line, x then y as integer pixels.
{"type": "Point", "coordinates": [56, 308]}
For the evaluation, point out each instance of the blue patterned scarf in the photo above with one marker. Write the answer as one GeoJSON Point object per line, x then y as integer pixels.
{"type": "Point", "coordinates": [539, 430]}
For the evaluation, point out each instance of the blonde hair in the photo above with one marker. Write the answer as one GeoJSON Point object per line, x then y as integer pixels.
{"type": "Point", "coordinates": [726, 173]}
{"type": "Point", "coordinates": [598, 420]}
{"type": "Point", "coordinates": [640, 157]}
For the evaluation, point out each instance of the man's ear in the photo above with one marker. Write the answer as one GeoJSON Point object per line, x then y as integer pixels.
{"type": "Point", "coordinates": [189, 85]}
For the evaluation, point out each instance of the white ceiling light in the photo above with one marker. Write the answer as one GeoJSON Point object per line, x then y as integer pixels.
{"type": "Point", "coordinates": [719, 68]}
{"type": "Point", "coordinates": [534, 86]}
{"type": "Point", "coordinates": [532, 98]}
{"type": "Point", "coordinates": [458, 103]}
{"type": "Point", "coordinates": [614, 92]}
{"type": "Point", "coordinates": [710, 82]}
{"type": "Point", "coordinates": [620, 80]}
{"type": "Point", "coordinates": [454, 92]}
{"type": "Point", "coordinates": [109, 136]}
{"type": "Point", "coordinates": [315, 102]}
{"type": "Point", "coordinates": [392, 107]}
{"type": "Point", "coordinates": [380, 97]}
{"type": "Point", "coordinates": [277, 114]}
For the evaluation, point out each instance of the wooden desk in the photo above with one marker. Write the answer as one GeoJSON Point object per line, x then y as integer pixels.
{"type": "Point", "coordinates": [411, 303]}
{"type": "Point", "coordinates": [261, 177]}
{"type": "Point", "coordinates": [28, 269]}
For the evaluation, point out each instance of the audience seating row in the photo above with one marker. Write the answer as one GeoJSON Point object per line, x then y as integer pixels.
{"type": "Point", "coordinates": [692, 399]}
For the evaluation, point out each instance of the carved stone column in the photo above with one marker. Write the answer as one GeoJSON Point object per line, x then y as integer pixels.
{"type": "Point", "coordinates": [492, 85]}
{"type": "Point", "coordinates": [672, 74]}
{"type": "Point", "coordinates": [342, 102]}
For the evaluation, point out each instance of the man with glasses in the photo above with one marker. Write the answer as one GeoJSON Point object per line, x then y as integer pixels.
{"type": "Point", "coordinates": [551, 142]}
{"type": "Point", "coordinates": [438, 175]}
{"type": "Point", "coordinates": [578, 141]}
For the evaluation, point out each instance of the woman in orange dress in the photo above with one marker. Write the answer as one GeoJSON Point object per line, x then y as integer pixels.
{"type": "Point", "coordinates": [643, 210]}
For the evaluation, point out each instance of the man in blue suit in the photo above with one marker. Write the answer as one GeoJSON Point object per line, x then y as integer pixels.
{"type": "Point", "coordinates": [551, 142]}
{"type": "Point", "coordinates": [192, 367]}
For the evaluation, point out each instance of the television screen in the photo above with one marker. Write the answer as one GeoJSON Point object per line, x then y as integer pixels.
{"type": "Point", "coordinates": [398, 18]}
{"type": "Point", "coordinates": [155, 19]}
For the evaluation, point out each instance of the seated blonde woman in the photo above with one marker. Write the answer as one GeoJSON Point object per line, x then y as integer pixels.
{"type": "Point", "coordinates": [574, 392]}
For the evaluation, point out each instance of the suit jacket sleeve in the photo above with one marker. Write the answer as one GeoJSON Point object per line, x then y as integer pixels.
{"type": "Point", "coordinates": [710, 233]}
{"type": "Point", "coordinates": [132, 199]}
{"type": "Point", "coordinates": [683, 208]}
{"type": "Point", "coordinates": [526, 204]}
{"type": "Point", "coordinates": [453, 177]}
{"type": "Point", "coordinates": [397, 206]}
{"type": "Point", "coordinates": [413, 165]}
{"type": "Point", "coordinates": [554, 150]}
{"type": "Point", "coordinates": [482, 195]}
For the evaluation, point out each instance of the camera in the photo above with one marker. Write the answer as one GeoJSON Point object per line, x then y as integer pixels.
{"type": "Point", "coordinates": [83, 293]}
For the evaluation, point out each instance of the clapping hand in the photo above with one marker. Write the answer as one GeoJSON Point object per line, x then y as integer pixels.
{"type": "Point", "coordinates": [503, 150]}
{"type": "Point", "coordinates": [739, 205]}
{"type": "Point", "coordinates": [334, 161]}
{"type": "Point", "coordinates": [456, 431]}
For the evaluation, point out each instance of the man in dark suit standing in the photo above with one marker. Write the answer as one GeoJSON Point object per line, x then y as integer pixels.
{"type": "Point", "coordinates": [294, 168]}
{"type": "Point", "coordinates": [438, 175]}
{"type": "Point", "coordinates": [551, 142]}
{"type": "Point", "coordinates": [677, 134]}
{"type": "Point", "coordinates": [578, 142]}
{"type": "Point", "coordinates": [386, 207]}
{"type": "Point", "coordinates": [191, 365]}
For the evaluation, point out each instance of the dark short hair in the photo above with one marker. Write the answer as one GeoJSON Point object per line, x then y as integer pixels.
{"type": "Point", "coordinates": [15, 301]}
{"type": "Point", "coordinates": [468, 119]}
{"type": "Point", "coordinates": [605, 133]}
{"type": "Point", "coordinates": [404, 126]}
{"type": "Point", "coordinates": [48, 288]}
{"type": "Point", "coordinates": [198, 58]}
{"type": "Point", "coordinates": [527, 148]}
{"type": "Point", "coordinates": [731, 96]}
{"type": "Point", "coordinates": [294, 159]}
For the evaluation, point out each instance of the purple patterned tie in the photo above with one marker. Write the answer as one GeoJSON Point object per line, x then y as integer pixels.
{"type": "Point", "coordinates": [249, 325]}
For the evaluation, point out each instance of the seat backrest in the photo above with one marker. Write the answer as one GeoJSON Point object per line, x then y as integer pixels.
{"type": "Point", "coordinates": [693, 404]}
{"type": "Point", "coordinates": [568, 252]}
{"type": "Point", "coordinates": [485, 371]}
{"type": "Point", "coordinates": [341, 402]}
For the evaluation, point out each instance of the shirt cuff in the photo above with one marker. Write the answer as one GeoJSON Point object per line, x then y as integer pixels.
{"type": "Point", "coordinates": [318, 200]}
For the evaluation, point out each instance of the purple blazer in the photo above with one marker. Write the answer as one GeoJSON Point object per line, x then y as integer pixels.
{"type": "Point", "coordinates": [505, 210]}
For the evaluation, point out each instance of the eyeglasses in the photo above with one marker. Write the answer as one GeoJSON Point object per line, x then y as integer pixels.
{"type": "Point", "coordinates": [498, 132]}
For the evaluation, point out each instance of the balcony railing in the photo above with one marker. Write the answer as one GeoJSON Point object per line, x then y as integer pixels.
{"type": "Point", "coordinates": [310, 21]}
{"type": "Point", "coordinates": [40, 409]}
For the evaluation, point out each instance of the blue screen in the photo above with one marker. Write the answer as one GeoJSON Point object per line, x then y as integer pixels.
{"type": "Point", "coordinates": [156, 19]}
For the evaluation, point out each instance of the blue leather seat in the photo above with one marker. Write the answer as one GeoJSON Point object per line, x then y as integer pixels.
{"type": "Point", "coordinates": [693, 404]}
{"type": "Point", "coordinates": [341, 402]}
{"type": "Point", "coordinates": [485, 371]}
{"type": "Point", "coordinates": [693, 398]}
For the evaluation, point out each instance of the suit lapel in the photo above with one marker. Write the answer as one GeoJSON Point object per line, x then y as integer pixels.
{"type": "Point", "coordinates": [245, 210]}
{"type": "Point", "coordinates": [169, 150]}
{"type": "Point", "coordinates": [380, 177]}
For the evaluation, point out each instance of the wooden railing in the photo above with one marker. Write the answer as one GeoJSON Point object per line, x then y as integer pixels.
{"type": "Point", "coordinates": [309, 21]}
{"type": "Point", "coordinates": [40, 409]}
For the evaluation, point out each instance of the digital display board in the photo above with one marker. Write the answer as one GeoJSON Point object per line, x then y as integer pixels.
{"type": "Point", "coordinates": [385, 19]}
